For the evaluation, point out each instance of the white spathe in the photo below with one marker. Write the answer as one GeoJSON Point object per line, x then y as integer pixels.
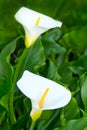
{"type": "Point", "coordinates": [33, 86]}
{"type": "Point", "coordinates": [34, 24]}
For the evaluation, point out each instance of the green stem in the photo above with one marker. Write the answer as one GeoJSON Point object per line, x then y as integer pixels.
{"type": "Point", "coordinates": [32, 125]}
{"type": "Point", "coordinates": [15, 78]}
{"type": "Point", "coordinates": [11, 108]}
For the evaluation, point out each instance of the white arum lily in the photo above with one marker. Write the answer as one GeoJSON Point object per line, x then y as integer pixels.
{"type": "Point", "coordinates": [34, 24]}
{"type": "Point", "coordinates": [45, 94]}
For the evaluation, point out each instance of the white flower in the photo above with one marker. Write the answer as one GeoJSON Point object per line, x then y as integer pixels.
{"type": "Point", "coordinates": [34, 24]}
{"type": "Point", "coordinates": [45, 94]}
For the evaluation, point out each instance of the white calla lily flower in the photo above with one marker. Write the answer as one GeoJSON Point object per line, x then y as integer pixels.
{"type": "Point", "coordinates": [34, 24]}
{"type": "Point", "coordinates": [45, 94]}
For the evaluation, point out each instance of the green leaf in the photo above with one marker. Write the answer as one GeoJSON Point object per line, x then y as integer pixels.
{"type": "Point", "coordinates": [72, 111]}
{"type": "Point", "coordinates": [83, 84]}
{"type": "Point", "coordinates": [45, 125]}
{"type": "Point", "coordinates": [6, 73]}
{"type": "Point", "coordinates": [46, 115]}
{"type": "Point", "coordinates": [79, 124]}
{"type": "Point", "coordinates": [53, 72]}
{"type": "Point", "coordinates": [79, 66]}
{"type": "Point", "coordinates": [4, 101]}
{"type": "Point", "coordinates": [50, 39]}
{"type": "Point", "coordinates": [21, 122]}
{"type": "Point", "coordinates": [2, 114]}
{"type": "Point", "coordinates": [69, 112]}
{"type": "Point", "coordinates": [53, 47]}
{"type": "Point", "coordinates": [6, 68]}
{"type": "Point", "coordinates": [5, 125]}
{"type": "Point", "coordinates": [35, 57]}
{"type": "Point", "coordinates": [65, 73]}
{"type": "Point", "coordinates": [27, 104]}
{"type": "Point", "coordinates": [31, 59]}
{"type": "Point", "coordinates": [52, 35]}
{"type": "Point", "coordinates": [74, 40]}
